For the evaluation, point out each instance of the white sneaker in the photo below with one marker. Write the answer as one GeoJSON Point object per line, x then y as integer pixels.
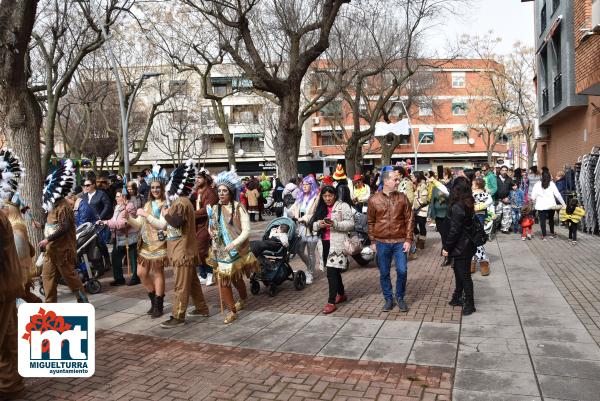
{"type": "Point", "coordinates": [209, 280]}
{"type": "Point", "coordinates": [202, 280]}
{"type": "Point", "coordinates": [309, 278]}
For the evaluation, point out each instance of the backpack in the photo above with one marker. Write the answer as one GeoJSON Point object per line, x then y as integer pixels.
{"type": "Point", "coordinates": [476, 232]}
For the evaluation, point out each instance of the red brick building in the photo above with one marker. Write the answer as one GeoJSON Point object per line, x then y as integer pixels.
{"type": "Point", "coordinates": [443, 119]}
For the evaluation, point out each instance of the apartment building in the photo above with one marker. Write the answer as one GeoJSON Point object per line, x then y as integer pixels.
{"type": "Point", "coordinates": [443, 118]}
{"type": "Point", "coordinates": [568, 76]}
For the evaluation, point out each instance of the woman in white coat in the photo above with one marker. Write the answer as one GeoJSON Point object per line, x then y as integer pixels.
{"type": "Point", "coordinates": [331, 221]}
{"type": "Point", "coordinates": [302, 212]}
{"type": "Point", "coordinates": [544, 195]}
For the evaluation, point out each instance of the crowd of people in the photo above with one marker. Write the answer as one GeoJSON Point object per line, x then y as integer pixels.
{"type": "Point", "coordinates": [199, 224]}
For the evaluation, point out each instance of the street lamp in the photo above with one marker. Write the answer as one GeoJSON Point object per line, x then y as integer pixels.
{"type": "Point", "coordinates": [125, 115]}
{"type": "Point", "coordinates": [415, 144]}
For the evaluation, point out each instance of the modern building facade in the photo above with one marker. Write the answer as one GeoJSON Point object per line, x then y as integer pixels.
{"type": "Point", "coordinates": [568, 71]}
{"type": "Point", "coordinates": [443, 121]}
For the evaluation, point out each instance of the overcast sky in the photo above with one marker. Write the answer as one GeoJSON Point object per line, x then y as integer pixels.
{"type": "Point", "coordinates": [509, 19]}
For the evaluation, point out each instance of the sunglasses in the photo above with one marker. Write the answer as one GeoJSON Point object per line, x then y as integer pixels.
{"type": "Point", "coordinates": [87, 185]}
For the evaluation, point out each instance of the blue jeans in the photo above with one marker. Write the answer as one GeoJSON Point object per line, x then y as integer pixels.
{"type": "Point", "coordinates": [385, 254]}
{"type": "Point", "coordinates": [204, 270]}
{"type": "Point", "coordinates": [516, 217]}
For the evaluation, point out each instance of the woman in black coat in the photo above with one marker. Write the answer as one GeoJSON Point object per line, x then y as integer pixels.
{"type": "Point", "coordinates": [458, 246]}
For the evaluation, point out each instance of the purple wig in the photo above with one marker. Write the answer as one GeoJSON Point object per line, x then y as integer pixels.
{"type": "Point", "coordinates": [314, 189]}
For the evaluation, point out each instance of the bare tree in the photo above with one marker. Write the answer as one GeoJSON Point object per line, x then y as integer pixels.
{"type": "Point", "coordinates": [20, 113]}
{"type": "Point", "coordinates": [506, 99]}
{"type": "Point", "coordinates": [179, 134]}
{"type": "Point", "coordinates": [64, 34]}
{"type": "Point", "coordinates": [275, 42]}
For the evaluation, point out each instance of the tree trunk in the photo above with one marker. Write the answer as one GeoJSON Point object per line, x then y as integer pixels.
{"type": "Point", "coordinates": [219, 112]}
{"type": "Point", "coordinates": [490, 151]}
{"type": "Point", "coordinates": [20, 114]}
{"type": "Point", "coordinates": [353, 155]}
{"type": "Point", "coordinates": [22, 130]}
{"type": "Point", "coordinates": [387, 150]}
{"type": "Point", "coordinates": [287, 140]}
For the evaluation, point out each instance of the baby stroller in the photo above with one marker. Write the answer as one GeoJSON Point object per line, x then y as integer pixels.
{"type": "Point", "coordinates": [275, 266]}
{"type": "Point", "coordinates": [90, 264]}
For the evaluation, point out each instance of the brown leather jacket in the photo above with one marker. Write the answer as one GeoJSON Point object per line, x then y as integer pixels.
{"type": "Point", "coordinates": [390, 218]}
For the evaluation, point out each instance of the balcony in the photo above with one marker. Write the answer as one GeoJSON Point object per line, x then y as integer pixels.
{"type": "Point", "coordinates": [545, 101]}
{"type": "Point", "coordinates": [557, 86]}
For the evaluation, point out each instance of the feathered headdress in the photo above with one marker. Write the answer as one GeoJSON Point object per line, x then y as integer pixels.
{"type": "Point", "coordinates": [157, 174]}
{"type": "Point", "coordinates": [182, 180]}
{"type": "Point", "coordinates": [230, 179]}
{"type": "Point", "coordinates": [11, 170]}
{"type": "Point", "coordinates": [58, 184]}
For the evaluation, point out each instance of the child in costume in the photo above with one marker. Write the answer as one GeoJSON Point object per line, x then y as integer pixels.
{"type": "Point", "coordinates": [527, 221]}
{"type": "Point", "coordinates": [572, 215]}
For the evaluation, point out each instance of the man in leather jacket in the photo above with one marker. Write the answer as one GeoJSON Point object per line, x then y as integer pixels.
{"type": "Point", "coordinates": [390, 218]}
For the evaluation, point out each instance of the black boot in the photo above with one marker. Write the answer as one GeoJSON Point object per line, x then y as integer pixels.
{"type": "Point", "coordinates": [158, 308]}
{"type": "Point", "coordinates": [456, 300]}
{"type": "Point", "coordinates": [468, 308]}
{"type": "Point", "coordinates": [152, 296]}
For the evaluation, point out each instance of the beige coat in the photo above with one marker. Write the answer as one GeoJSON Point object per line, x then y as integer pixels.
{"type": "Point", "coordinates": [343, 222]}
{"type": "Point", "coordinates": [303, 221]}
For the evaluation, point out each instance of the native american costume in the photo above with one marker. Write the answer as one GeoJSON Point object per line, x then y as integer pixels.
{"type": "Point", "coordinates": [60, 255]}
{"type": "Point", "coordinates": [11, 285]}
{"type": "Point", "coordinates": [13, 206]}
{"type": "Point", "coordinates": [152, 248]}
{"type": "Point", "coordinates": [182, 246]}
{"type": "Point", "coordinates": [230, 224]}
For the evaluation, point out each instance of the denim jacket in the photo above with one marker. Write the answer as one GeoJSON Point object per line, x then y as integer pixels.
{"type": "Point", "coordinates": [517, 199]}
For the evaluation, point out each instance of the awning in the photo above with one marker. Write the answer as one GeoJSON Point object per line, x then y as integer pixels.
{"type": "Point", "coordinates": [220, 80]}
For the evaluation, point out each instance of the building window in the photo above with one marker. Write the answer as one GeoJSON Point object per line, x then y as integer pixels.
{"type": "Point", "coordinates": [332, 109]}
{"type": "Point", "coordinates": [178, 87]}
{"type": "Point", "coordinates": [179, 143]}
{"type": "Point", "coordinates": [180, 116]}
{"type": "Point", "coordinates": [557, 81]}
{"type": "Point", "coordinates": [246, 114]}
{"type": "Point", "coordinates": [251, 143]}
{"type": "Point", "coordinates": [207, 117]}
{"type": "Point", "coordinates": [459, 108]}
{"type": "Point", "coordinates": [503, 139]}
{"type": "Point", "coordinates": [460, 137]}
{"type": "Point", "coordinates": [241, 83]}
{"type": "Point", "coordinates": [555, 5]}
{"type": "Point", "coordinates": [458, 79]}
{"type": "Point", "coordinates": [137, 146]}
{"type": "Point", "coordinates": [426, 137]}
{"type": "Point", "coordinates": [426, 107]}
{"type": "Point", "coordinates": [405, 140]}
{"type": "Point", "coordinates": [220, 90]}
{"type": "Point", "coordinates": [543, 21]}
{"type": "Point", "coordinates": [328, 138]}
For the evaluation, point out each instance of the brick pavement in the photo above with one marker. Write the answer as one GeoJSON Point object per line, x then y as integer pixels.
{"type": "Point", "coordinates": [575, 270]}
{"type": "Point", "coordinates": [134, 367]}
{"type": "Point", "coordinates": [429, 287]}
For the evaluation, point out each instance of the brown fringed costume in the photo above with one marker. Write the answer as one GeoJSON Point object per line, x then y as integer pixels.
{"type": "Point", "coordinates": [182, 251]}
{"type": "Point", "coordinates": [61, 251]}
{"type": "Point", "coordinates": [11, 287]}
{"type": "Point", "coordinates": [202, 199]}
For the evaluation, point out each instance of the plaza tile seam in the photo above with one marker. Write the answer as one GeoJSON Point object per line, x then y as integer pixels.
{"type": "Point", "coordinates": [535, 373]}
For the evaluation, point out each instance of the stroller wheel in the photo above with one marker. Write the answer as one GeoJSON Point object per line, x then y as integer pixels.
{"type": "Point", "coordinates": [272, 290]}
{"type": "Point", "coordinates": [254, 287]}
{"type": "Point", "coordinates": [42, 291]}
{"type": "Point", "coordinates": [299, 280]}
{"type": "Point", "coordinates": [93, 286]}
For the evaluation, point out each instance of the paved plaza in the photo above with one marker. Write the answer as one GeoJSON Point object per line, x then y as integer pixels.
{"type": "Point", "coordinates": [534, 337]}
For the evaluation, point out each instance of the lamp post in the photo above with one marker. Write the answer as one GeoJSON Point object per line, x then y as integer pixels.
{"type": "Point", "coordinates": [113, 62]}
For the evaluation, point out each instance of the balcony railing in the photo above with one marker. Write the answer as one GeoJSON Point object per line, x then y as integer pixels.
{"type": "Point", "coordinates": [557, 89]}
{"type": "Point", "coordinates": [545, 101]}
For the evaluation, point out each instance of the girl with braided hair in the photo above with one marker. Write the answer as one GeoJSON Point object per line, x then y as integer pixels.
{"type": "Point", "coordinates": [230, 255]}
